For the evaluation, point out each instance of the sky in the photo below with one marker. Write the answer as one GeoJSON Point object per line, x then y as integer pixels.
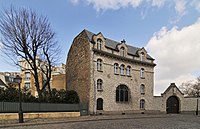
{"type": "Point", "coordinates": [168, 29]}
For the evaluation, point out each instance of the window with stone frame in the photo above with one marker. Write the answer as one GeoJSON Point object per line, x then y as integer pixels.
{"type": "Point", "coordinates": [99, 85]}
{"type": "Point", "coordinates": [99, 64]}
{"type": "Point", "coordinates": [142, 104]}
{"type": "Point", "coordinates": [142, 73]}
{"type": "Point", "coordinates": [142, 56]}
{"type": "Point", "coordinates": [27, 76]}
{"type": "Point", "coordinates": [122, 51]}
{"type": "Point", "coordinates": [142, 89]}
{"type": "Point", "coordinates": [116, 68]}
{"type": "Point", "coordinates": [99, 44]}
{"type": "Point", "coordinates": [122, 93]}
{"type": "Point", "coordinates": [128, 71]}
{"type": "Point", "coordinates": [122, 70]}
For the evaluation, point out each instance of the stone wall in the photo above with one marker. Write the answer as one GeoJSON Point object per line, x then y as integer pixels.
{"type": "Point", "coordinates": [78, 67]}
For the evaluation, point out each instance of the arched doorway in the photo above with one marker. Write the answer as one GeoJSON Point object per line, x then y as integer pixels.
{"type": "Point", "coordinates": [99, 104]}
{"type": "Point", "coordinates": [172, 105]}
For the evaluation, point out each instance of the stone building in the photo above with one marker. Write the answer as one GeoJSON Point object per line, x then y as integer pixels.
{"type": "Point", "coordinates": [110, 76]}
{"type": "Point", "coordinates": [114, 77]}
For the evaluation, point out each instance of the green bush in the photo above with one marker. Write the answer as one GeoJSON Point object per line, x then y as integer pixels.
{"type": "Point", "coordinates": [58, 96]}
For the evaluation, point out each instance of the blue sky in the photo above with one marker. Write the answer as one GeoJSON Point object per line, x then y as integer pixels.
{"type": "Point", "coordinates": [142, 23]}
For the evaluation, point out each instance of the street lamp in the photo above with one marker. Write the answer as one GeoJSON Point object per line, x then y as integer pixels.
{"type": "Point", "coordinates": [18, 80]}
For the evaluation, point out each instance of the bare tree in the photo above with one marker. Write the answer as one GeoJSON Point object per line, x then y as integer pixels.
{"type": "Point", "coordinates": [26, 36]}
{"type": "Point", "coordinates": [191, 88]}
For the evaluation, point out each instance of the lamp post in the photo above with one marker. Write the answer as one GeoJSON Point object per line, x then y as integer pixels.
{"type": "Point", "coordinates": [197, 109]}
{"type": "Point", "coordinates": [18, 80]}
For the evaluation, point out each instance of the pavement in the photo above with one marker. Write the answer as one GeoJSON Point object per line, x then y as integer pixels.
{"type": "Point", "coordinates": [93, 119]}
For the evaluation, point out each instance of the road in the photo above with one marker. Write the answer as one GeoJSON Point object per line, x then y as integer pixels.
{"type": "Point", "coordinates": [116, 122]}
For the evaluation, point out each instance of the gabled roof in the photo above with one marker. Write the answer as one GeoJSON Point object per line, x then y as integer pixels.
{"type": "Point", "coordinates": [172, 85]}
{"type": "Point", "coordinates": [113, 45]}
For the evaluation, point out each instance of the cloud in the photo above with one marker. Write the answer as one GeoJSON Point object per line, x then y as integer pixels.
{"type": "Point", "coordinates": [176, 52]}
{"type": "Point", "coordinates": [113, 4]}
{"type": "Point", "coordinates": [197, 5]}
{"type": "Point", "coordinates": [180, 7]}
{"type": "Point", "coordinates": [1, 45]}
{"type": "Point", "coordinates": [74, 2]}
{"type": "Point", "coordinates": [158, 3]}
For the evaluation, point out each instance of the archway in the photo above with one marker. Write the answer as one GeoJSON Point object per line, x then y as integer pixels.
{"type": "Point", "coordinates": [172, 105]}
{"type": "Point", "coordinates": [99, 104]}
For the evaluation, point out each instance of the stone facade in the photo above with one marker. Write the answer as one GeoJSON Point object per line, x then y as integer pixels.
{"type": "Point", "coordinates": [114, 77]}
{"type": "Point", "coordinates": [185, 104]}
{"type": "Point", "coordinates": [83, 74]}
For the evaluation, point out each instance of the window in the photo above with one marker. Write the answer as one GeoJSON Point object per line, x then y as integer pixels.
{"type": "Point", "coordinates": [99, 84]}
{"type": "Point", "coordinates": [27, 87]}
{"type": "Point", "coordinates": [116, 67]}
{"type": "Point", "coordinates": [142, 56]}
{"type": "Point", "coordinates": [99, 104]}
{"type": "Point", "coordinates": [122, 69]}
{"type": "Point", "coordinates": [122, 93]}
{"type": "Point", "coordinates": [99, 64]}
{"type": "Point", "coordinates": [122, 51]}
{"type": "Point", "coordinates": [142, 72]}
{"type": "Point", "coordinates": [99, 44]}
{"type": "Point", "coordinates": [128, 71]}
{"type": "Point", "coordinates": [142, 104]}
{"type": "Point", "coordinates": [27, 76]}
{"type": "Point", "coordinates": [142, 89]}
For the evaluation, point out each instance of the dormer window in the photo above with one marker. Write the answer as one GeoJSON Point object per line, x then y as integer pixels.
{"type": "Point", "coordinates": [142, 56]}
{"type": "Point", "coordinates": [99, 44]}
{"type": "Point", "coordinates": [122, 51]}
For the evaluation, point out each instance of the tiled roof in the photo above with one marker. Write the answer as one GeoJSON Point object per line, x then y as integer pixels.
{"type": "Point", "coordinates": [113, 44]}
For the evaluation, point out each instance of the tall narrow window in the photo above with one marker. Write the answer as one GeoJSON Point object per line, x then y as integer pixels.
{"type": "Point", "coordinates": [116, 68]}
{"type": "Point", "coordinates": [99, 84]}
{"type": "Point", "coordinates": [99, 44]}
{"type": "Point", "coordinates": [122, 51]}
{"type": "Point", "coordinates": [142, 104]}
{"type": "Point", "coordinates": [128, 71]}
{"type": "Point", "coordinates": [142, 89]}
{"type": "Point", "coordinates": [142, 72]}
{"type": "Point", "coordinates": [122, 68]}
{"type": "Point", "coordinates": [142, 56]}
{"type": "Point", "coordinates": [99, 65]}
{"type": "Point", "coordinates": [122, 93]}
{"type": "Point", "coordinates": [27, 76]}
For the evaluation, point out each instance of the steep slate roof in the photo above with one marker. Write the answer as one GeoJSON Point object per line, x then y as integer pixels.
{"type": "Point", "coordinates": [113, 45]}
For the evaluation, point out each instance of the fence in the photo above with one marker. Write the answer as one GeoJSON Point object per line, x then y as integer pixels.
{"type": "Point", "coordinates": [13, 107]}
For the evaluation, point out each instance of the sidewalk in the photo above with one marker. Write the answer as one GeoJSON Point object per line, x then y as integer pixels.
{"type": "Point", "coordinates": [39, 121]}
